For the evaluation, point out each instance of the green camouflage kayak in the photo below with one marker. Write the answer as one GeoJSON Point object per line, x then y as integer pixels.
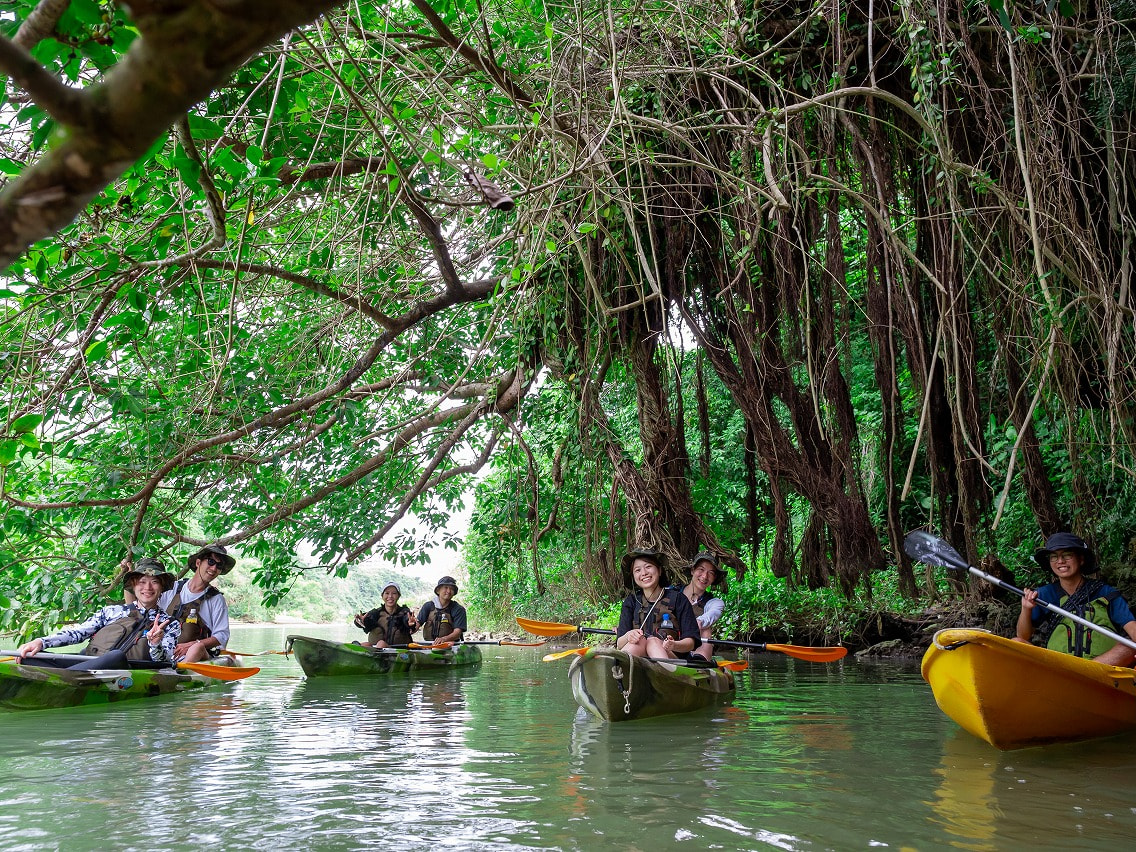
{"type": "Point", "coordinates": [617, 687]}
{"type": "Point", "coordinates": [323, 658]}
{"type": "Point", "coordinates": [41, 688]}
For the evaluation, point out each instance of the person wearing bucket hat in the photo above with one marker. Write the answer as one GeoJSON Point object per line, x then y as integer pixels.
{"type": "Point", "coordinates": [443, 619]}
{"type": "Point", "coordinates": [390, 624]}
{"type": "Point", "coordinates": [654, 621]}
{"type": "Point", "coordinates": [1070, 559]}
{"type": "Point", "coordinates": [200, 606]}
{"type": "Point", "coordinates": [120, 633]}
{"type": "Point", "coordinates": [708, 608]}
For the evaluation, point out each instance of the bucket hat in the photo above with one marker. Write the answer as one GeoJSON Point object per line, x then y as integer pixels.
{"type": "Point", "coordinates": [148, 567]}
{"type": "Point", "coordinates": [445, 581]}
{"type": "Point", "coordinates": [218, 550]}
{"type": "Point", "coordinates": [1067, 541]}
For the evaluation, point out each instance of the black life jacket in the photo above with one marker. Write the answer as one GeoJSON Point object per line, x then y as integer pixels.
{"type": "Point", "coordinates": [189, 614]}
{"type": "Point", "coordinates": [391, 627]}
{"type": "Point", "coordinates": [653, 612]}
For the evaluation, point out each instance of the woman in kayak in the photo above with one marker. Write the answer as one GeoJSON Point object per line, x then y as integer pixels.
{"type": "Point", "coordinates": [390, 624]}
{"type": "Point", "coordinates": [1070, 559]}
{"type": "Point", "coordinates": [655, 621]}
{"type": "Point", "coordinates": [708, 608]}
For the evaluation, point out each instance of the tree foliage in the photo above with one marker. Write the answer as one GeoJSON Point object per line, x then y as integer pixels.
{"type": "Point", "coordinates": [268, 278]}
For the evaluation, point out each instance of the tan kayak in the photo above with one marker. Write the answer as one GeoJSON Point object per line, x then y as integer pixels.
{"type": "Point", "coordinates": [1015, 695]}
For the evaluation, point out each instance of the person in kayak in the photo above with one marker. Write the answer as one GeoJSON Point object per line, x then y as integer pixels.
{"type": "Point", "coordinates": [443, 619]}
{"type": "Point", "coordinates": [200, 606]}
{"type": "Point", "coordinates": [120, 633]}
{"type": "Point", "coordinates": [390, 624]}
{"type": "Point", "coordinates": [1070, 560]}
{"type": "Point", "coordinates": [655, 621]}
{"type": "Point", "coordinates": [704, 573]}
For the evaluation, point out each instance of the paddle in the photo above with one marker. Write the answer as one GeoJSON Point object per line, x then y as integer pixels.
{"type": "Point", "coordinates": [800, 652]}
{"type": "Point", "coordinates": [732, 665]}
{"type": "Point", "coordinates": [207, 669]}
{"type": "Point", "coordinates": [231, 653]}
{"type": "Point", "coordinates": [929, 549]}
{"type": "Point", "coordinates": [503, 642]}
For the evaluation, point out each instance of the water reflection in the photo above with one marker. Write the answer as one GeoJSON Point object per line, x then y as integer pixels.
{"type": "Point", "coordinates": [808, 757]}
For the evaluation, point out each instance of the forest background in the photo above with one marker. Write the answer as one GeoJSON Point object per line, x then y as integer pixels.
{"type": "Point", "coordinates": [779, 280]}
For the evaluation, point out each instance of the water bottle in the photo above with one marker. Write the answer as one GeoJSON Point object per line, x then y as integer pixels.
{"type": "Point", "coordinates": [667, 628]}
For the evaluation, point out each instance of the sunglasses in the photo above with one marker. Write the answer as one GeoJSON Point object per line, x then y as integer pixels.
{"type": "Point", "coordinates": [214, 561]}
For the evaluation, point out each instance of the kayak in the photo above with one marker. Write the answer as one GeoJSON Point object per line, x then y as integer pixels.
{"type": "Point", "coordinates": [323, 658]}
{"type": "Point", "coordinates": [1016, 695]}
{"type": "Point", "coordinates": [617, 687]}
{"type": "Point", "coordinates": [41, 688]}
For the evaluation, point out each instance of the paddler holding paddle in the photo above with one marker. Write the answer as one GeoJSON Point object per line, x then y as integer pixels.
{"type": "Point", "coordinates": [1070, 559]}
{"type": "Point", "coordinates": [708, 608]}
{"type": "Point", "coordinates": [120, 632]}
{"type": "Point", "coordinates": [655, 621]}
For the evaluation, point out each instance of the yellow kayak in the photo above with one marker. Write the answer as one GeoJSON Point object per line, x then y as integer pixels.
{"type": "Point", "coordinates": [1015, 695]}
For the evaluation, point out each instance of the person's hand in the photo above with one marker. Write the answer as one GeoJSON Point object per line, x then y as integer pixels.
{"type": "Point", "coordinates": [411, 621]}
{"type": "Point", "coordinates": [359, 620]}
{"type": "Point", "coordinates": [1029, 599]}
{"type": "Point", "coordinates": [635, 635]}
{"type": "Point", "coordinates": [668, 644]}
{"type": "Point", "coordinates": [157, 629]}
{"type": "Point", "coordinates": [182, 648]}
{"type": "Point", "coordinates": [30, 649]}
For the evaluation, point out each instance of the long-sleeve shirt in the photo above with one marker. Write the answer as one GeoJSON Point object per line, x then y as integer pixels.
{"type": "Point", "coordinates": [163, 652]}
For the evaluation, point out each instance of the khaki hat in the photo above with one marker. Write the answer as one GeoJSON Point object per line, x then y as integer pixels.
{"type": "Point", "coordinates": [446, 581]}
{"type": "Point", "coordinates": [653, 556]}
{"type": "Point", "coordinates": [148, 567]}
{"type": "Point", "coordinates": [227, 561]}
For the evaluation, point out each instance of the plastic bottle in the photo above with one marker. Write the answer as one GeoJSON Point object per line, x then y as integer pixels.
{"type": "Point", "coordinates": [667, 628]}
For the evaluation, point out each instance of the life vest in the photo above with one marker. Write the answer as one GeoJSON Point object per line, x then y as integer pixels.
{"type": "Point", "coordinates": [1068, 637]}
{"type": "Point", "coordinates": [128, 634]}
{"type": "Point", "coordinates": [653, 612]}
{"type": "Point", "coordinates": [440, 622]}
{"type": "Point", "coordinates": [189, 614]}
{"type": "Point", "coordinates": [391, 627]}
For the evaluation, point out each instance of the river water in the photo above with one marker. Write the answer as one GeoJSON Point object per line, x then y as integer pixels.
{"type": "Point", "coordinates": [808, 757]}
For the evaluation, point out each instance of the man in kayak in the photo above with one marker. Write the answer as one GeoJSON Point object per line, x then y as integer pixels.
{"type": "Point", "coordinates": [443, 619]}
{"type": "Point", "coordinates": [655, 621]}
{"type": "Point", "coordinates": [708, 608]}
{"type": "Point", "coordinates": [390, 624]}
{"type": "Point", "coordinates": [122, 632]}
{"type": "Point", "coordinates": [1070, 559]}
{"type": "Point", "coordinates": [200, 606]}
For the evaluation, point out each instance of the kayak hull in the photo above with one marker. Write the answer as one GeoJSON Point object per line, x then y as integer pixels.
{"type": "Point", "coordinates": [1015, 695]}
{"type": "Point", "coordinates": [616, 687]}
{"type": "Point", "coordinates": [323, 658]}
{"type": "Point", "coordinates": [41, 688]}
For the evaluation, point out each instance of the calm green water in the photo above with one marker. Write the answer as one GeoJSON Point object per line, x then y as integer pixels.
{"type": "Point", "coordinates": [844, 756]}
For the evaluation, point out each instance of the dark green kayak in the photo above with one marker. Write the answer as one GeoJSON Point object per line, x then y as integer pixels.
{"type": "Point", "coordinates": [617, 687]}
{"type": "Point", "coordinates": [41, 688]}
{"type": "Point", "coordinates": [323, 658]}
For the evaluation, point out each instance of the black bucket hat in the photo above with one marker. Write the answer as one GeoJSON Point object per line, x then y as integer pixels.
{"type": "Point", "coordinates": [227, 561]}
{"type": "Point", "coordinates": [148, 567]}
{"type": "Point", "coordinates": [707, 556]}
{"type": "Point", "coordinates": [445, 581]}
{"type": "Point", "coordinates": [1067, 541]}
{"type": "Point", "coordinates": [652, 556]}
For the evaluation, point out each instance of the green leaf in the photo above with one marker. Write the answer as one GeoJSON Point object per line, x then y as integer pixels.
{"type": "Point", "coordinates": [8, 449]}
{"type": "Point", "coordinates": [490, 160]}
{"type": "Point", "coordinates": [96, 351]}
{"type": "Point", "coordinates": [26, 423]}
{"type": "Point", "coordinates": [585, 228]}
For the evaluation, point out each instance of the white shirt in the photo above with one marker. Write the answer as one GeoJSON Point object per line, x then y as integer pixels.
{"type": "Point", "coordinates": [214, 611]}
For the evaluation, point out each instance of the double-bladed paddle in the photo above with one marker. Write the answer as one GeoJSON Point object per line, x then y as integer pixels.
{"type": "Point", "coordinates": [929, 549]}
{"type": "Point", "coordinates": [800, 652]}
{"type": "Point", "coordinates": [206, 669]}
{"type": "Point", "coordinates": [732, 665]}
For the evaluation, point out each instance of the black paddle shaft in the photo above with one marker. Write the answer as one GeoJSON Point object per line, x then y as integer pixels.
{"type": "Point", "coordinates": [932, 550]}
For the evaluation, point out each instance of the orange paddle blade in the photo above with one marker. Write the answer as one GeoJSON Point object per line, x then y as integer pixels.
{"type": "Point", "coordinates": [815, 655]}
{"type": "Point", "coordinates": [734, 665]}
{"type": "Point", "coordinates": [559, 655]}
{"type": "Point", "coordinates": [220, 672]}
{"type": "Point", "coordinates": [545, 628]}
{"type": "Point", "coordinates": [415, 646]}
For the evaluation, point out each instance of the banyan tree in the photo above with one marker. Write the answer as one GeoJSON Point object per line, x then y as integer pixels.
{"type": "Point", "coordinates": [281, 279]}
